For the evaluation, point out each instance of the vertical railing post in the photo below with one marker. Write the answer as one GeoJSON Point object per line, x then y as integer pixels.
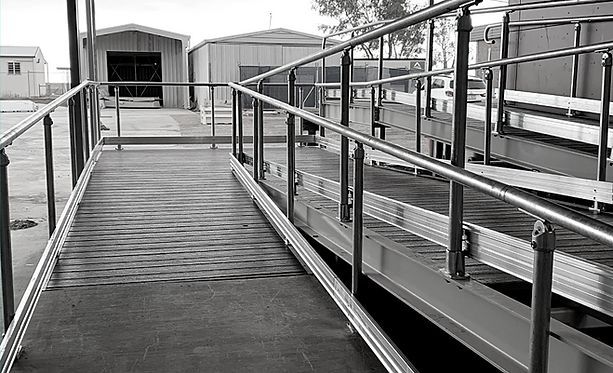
{"type": "Point", "coordinates": [256, 147]}
{"type": "Point", "coordinates": [543, 244]}
{"type": "Point", "coordinates": [380, 73]}
{"type": "Point", "coordinates": [51, 217]}
{"type": "Point", "coordinates": [344, 213]}
{"type": "Point", "coordinates": [234, 122]}
{"type": "Point", "coordinates": [487, 131]}
{"type": "Point", "coordinates": [373, 113]}
{"type": "Point", "coordinates": [212, 90]}
{"type": "Point", "coordinates": [502, 78]}
{"type": "Point", "coordinates": [97, 103]}
{"type": "Point", "coordinates": [239, 113]}
{"type": "Point", "coordinates": [455, 256]}
{"type": "Point", "coordinates": [291, 143]}
{"type": "Point", "coordinates": [322, 110]}
{"type": "Point", "coordinates": [93, 116]}
{"type": "Point", "coordinates": [429, 63]}
{"type": "Point", "coordinates": [605, 104]}
{"type": "Point", "coordinates": [87, 123]}
{"type": "Point", "coordinates": [418, 89]}
{"type": "Point", "coordinates": [300, 105]}
{"type": "Point", "coordinates": [117, 118]}
{"type": "Point", "coordinates": [575, 68]}
{"type": "Point", "coordinates": [6, 255]}
{"type": "Point", "coordinates": [358, 206]}
{"type": "Point", "coordinates": [261, 132]}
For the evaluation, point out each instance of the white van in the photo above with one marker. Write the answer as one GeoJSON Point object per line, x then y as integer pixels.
{"type": "Point", "coordinates": [442, 88]}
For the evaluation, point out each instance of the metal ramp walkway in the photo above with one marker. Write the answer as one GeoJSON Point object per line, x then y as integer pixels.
{"type": "Point", "coordinates": [170, 266]}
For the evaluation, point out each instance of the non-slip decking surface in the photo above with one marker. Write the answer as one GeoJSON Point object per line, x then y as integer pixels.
{"type": "Point", "coordinates": [169, 266]}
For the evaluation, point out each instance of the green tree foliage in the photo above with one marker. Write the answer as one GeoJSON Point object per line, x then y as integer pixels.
{"type": "Point", "coordinates": [354, 13]}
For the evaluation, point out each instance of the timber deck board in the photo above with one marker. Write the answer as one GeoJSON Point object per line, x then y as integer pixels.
{"type": "Point", "coordinates": [170, 266]}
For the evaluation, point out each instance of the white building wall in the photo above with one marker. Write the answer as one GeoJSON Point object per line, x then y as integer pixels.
{"type": "Point", "coordinates": [24, 85]}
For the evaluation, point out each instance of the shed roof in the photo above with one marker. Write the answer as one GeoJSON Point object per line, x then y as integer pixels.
{"type": "Point", "coordinates": [18, 51]}
{"type": "Point", "coordinates": [273, 36]}
{"type": "Point", "coordinates": [141, 28]}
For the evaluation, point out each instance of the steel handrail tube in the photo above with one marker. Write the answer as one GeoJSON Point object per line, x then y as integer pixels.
{"type": "Point", "coordinates": [546, 210]}
{"type": "Point", "coordinates": [178, 84]}
{"type": "Point", "coordinates": [17, 130]}
{"type": "Point", "coordinates": [410, 20]}
{"type": "Point", "coordinates": [533, 6]}
{"type": "Point", "coordinates": [487, 64]}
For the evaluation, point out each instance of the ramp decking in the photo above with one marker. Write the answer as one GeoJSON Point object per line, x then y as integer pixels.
{"type": "Point", "coordinates": [169, 266]}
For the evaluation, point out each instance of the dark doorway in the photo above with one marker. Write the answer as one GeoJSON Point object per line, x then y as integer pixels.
{"type": "Point", "coordinates": [135, 66]}
{"type": "Point", "coordinates": [304, 75]}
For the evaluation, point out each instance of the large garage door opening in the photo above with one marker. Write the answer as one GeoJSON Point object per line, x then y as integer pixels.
{"type": "Point", "coordinates": [136, 66]}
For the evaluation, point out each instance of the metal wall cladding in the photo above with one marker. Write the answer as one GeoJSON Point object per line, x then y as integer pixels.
{"type": "Point", "coordinates": [222, 60]}
{"type": "Point", "coordinates": [173, 59]}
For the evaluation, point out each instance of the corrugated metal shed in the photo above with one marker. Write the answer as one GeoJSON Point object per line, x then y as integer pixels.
{"type": "Point", "coordinates": [138, 38]}
{"type": "Point", "coordinates": [221, 59]}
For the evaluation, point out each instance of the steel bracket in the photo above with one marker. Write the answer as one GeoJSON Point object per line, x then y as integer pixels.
{"type": "Point", "coordinates": [543, 236]}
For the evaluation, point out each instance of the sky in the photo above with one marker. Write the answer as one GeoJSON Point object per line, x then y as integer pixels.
{"type": "Point", "coordinates": [43, 22]}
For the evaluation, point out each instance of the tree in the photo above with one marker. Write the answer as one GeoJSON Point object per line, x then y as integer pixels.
{"type": "Point", "coordinates": [354, 13]}
{"type": "Point", "coordinates": [444, 42]}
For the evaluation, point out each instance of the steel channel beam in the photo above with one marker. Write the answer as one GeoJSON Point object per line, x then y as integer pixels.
{"type": "Point", "coordinates": [389, 355]}
{"type": "Point", "coordinates": [499, 331]}
{"type": "Point", "coordinates": [585, 282]}
{"type": "Point", "coordinates": [9, 348]}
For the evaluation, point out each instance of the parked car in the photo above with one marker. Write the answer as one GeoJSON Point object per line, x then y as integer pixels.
{"type": "Point", "coordinates": [442, 88]}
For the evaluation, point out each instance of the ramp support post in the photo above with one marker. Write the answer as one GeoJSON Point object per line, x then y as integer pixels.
{"type": "Point", "coordinates": [260, 114]}
{"type": "Point", "coordinates": [213, 145]}
{"type": "Point", "coordinates": [291, 143]}
{"type": "Point", "coordinates": [455, 266]}
{"type": "Point", "coordinates": [418, 88]}
{"type": "Point", "coordinates": [51, 215]}
{"type": "Point", "coordinates": [605, 104]}
{"type": "Point", "coordinates": [239, 115]}
{"type": "Point", "coordinates": [487, 131]}
{"type": "Point", "coordinates": [117, 118]}
{"type": "Point", "coordinates": [6, 256]}
{"type": "Point", "coordinates": [256, 146]}
{"type": "Point", "coordinates": [543, 243]}
{"type": "Point", "coordinates": [502, 78]}
{"type": "Point", "coordinates": [358, 207]}
{"type": "Point", "coordinates": [575, 68]}
{"type": "Point", "coordinates": [344, 213]}
{"type": "Point", "coordinates": [234, 122]}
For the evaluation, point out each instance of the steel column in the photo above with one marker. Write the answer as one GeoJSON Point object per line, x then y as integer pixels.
{"type": "Point", "coordinates": [418, 89]}
{"type": "Point", "coordinates": [373, 112]}
{"type": "Point", "coordinates": [87, 123]}
{"type": "Point", "coordinates": [429, 63]}
{"type": "Point", "coordinates": [487, 131]}
{"type": "Point", "coordinates": [322, 90]}
{"type": "Point", "coordinates": [455, 257]}
{"type": "Point", "coordinates": [260, 114]}
{"type": "Point", "coordinates": [51, 217]}
{"type": "Point", "coordinates": [344, 213]}
{"type": "Point", "coordinates": [74, 106]}
{"type": "Point", "coordinates": [575, 67]}
{"type": "Point", "coordinates": [380, 73]}
{"type": "Point", "coordinates": [358, 208]}
{"type": "Point", "coordinates": [213, 145]}
{"type": "Point", "coordinates": [234, 122]}
{"type": "Point", "coordinates": [502, 77]}
{"type": "Point", "coordinates": [93, 116]}
{"type": "Point", "coordinates": [605, 103]}
{"type": "Point", "coordinates": [300, 105]}
{"type": "Point", "coordinates": [291, 143]}
{"type": "Point", "coordinates": [239, 113]}
{"type": "Point", "coordinates": [256, 145]}
{"type": "Point", "coordinates": [543, 243]}
{"type": "Point", "coordinates": [6, 256]}
{"type": "Point", "coordinates": [117, 117]}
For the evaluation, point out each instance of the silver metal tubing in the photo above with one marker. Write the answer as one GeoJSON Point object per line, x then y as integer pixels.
{"type": "Point", "coordinates": [300, 106]}
{"type": "Point", "coordinates": [17, 130]}
{"type": "Point", "coordinates": [343, 210]}
{"type": "Point", "coordinates": [536, 5]}
{"type": "Point", "coordinates": [358, 209]}
{"type": "Point", "coordinates": [51, 215]}
{"type": "Point", "coordinates": [256, 146]}
{"type": "Point", "coordinates": [487, 64]}
{"type": "Point", "coordinates": [502, 73]}
{"type": "Point", "coordinates": [234, 122]}
{"type": "Point", "coordinates": [91, 56]}
{"type": "Point", "coordinates": [487, 132]}
{"type": "Point", "coordinates": [373, 112]}
{"type": "Point", "coordinates": [418, 88]}
{"type": "Point", "coordinates": [429, 63]}
{"type": "Point", "coordinates": [455, 257]}
{"type": "Point", "coordinates": [376, 23]}
{"type": "Point", "coordinates": [260, 113]}
{"type": "Point", "coordinates": [213, 146]}
{"type": "Point", "coordinates": [412, 19]}
{"type": "Point", "coordinates": [380, 72]}
{"type": "Point", "coordinates": [605, 102]}
{"type": "Point", "coordinates": [117, 116]}
{"type": "Point", "coordinates": [291, 146]}
{"type": "Point", "coordinates": [544, 244]}
{"type": "Point", "coordinates": [239, 113]}
{"type": "Point", "coordinates": [322, 109]}
{"type": "Point", "coordinates": [93, 115]}
{"type": "Point", "coordinates": [6, 255]}
{"type": "Point", "coordinates": [575, 67]}
{"type": "Point", "coordinates": [556, 214]}
{"type": "Point", "coordinates": [87, 122]}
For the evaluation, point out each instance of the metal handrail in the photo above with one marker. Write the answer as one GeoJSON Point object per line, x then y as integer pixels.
{"type": "Point", "coordinates": [358, 28]}
{"type": "Point", "coordinates": [536, 206]}
{"type": "Point", "coordinates": [17, 130]}
{"type": "Point", "coordinates": [484, 65]}
{"type": "Point", "coordinates": [176, 84]}
{"type": "Point", "coordinates": [412, 19]}
{"type": "Point", "coordinates": [533, 6]}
